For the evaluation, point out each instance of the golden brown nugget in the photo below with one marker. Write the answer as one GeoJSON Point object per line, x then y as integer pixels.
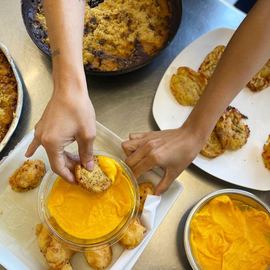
{"type": "Point", "coordinates": [261, 80]}
{"type": "Point", "coordinates": [213, 147]}
{"type": "Point", "coordinates": [56, 255]}
{"type": "Point", "coordinates": [28, 176]}
{"type": "Point", "coordinates": [94, 180]}
{"type": "Point", "coordinates": [133, 235]}
{"type": "Point", "coordinates": [266, 154]}
{"type": "Point", "coordinates": [210, 62]}
{"type": "Point", "coordinates": [231, 129]}
{"type": "Point", "coordinates": [187, 86]}
{"type": "Point", "coordinates": [146, 188]}
{"type": "Point", "coordinates": [99, 258]}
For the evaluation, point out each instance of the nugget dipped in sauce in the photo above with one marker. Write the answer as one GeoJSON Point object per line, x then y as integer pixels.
{"type": "Point", "coordinates": [95, 180]}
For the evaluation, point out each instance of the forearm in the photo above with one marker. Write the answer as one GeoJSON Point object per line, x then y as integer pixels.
{"type": "Point", "coordinates": [65, 21]}
{"type": "Point", "coordinates": [245, 54]}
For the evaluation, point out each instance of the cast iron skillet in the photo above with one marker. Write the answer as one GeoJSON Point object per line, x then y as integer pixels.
{"type": "Point", "coordinates": [28, 8]}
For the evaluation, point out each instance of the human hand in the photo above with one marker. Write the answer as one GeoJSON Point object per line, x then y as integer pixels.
{"type": "Point", "coordinates": [69, 116]}
{"type": "Point", "coordinates": [172, 150]}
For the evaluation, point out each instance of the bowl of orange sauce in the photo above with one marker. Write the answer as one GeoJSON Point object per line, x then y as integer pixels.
{"type": "Point", "coordinates": [84, 220]}
{"type": "Point", "coordinates": [228, 229]}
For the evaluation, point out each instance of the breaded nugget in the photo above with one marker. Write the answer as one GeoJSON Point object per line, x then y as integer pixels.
{"type": "Point", "coordinates": [66, 267]}
{"type": "Point", "coordinates": [94, 180]}
{"type": "Point", "coordinates": [187, 86]}
{"type": "Point", "coordinates": [213, 147]}
{"type": "Point", "coordinates": [261, 80]}
{"type": "Point", "coordinates": [266, 154]}
{"type": "Point", "coordinates": [210, 62]}
{"type": "Point", "coordinates": [133, 235]}
{"type": "Point", "coordinates": [99, 258]}
{"type": "Point", "coordinates": [56, 254]}
{"type": "Point", "coordinates": [146, 188]}
{"type": "Point", "coordinates": [231, 129]}
{"type": "Point", "coordinates": [28, 176]}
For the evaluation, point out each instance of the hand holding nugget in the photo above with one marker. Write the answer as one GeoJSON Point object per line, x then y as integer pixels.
{"type": "Point", "coordinates": [69, 115]}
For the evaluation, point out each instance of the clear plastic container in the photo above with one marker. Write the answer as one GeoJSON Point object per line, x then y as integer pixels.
{"type": "Point", "coordinates": [83, 244]}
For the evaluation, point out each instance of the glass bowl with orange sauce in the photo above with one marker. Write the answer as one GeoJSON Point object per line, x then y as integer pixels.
{"type": "Point", "coordinates": [84, 220]}
{"type": "Point", "coordinates": [228, 229]}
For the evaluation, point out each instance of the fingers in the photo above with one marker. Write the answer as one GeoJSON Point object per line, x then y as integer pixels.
{"type": "Point", "coordinates": [73, 157]}
{"type": "Point", "coordinates": [166, 181]}
{"type": "Point", "coordinates": [143, 166]}
{"type": "Point", "coordinates": [139, 135]}
{"type": "Point", "coordinates": [131, 146]}
{"type": "Point", "coordinates": [32, 147]}
{"type": "Point", "coordinates": [85, 145]}
{"type": "Point", "coordinates": [145, 149]}
{"type": "Point", "coordinates": [136, 140]}
{"type": "Point", "coordinates": [71, 160]}
{"type": "Point", "coordinates": [61, 164]}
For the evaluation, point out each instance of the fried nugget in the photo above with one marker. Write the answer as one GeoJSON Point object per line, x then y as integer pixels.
{"type": "Point", "coordinates": [56, 254]}
{"type": "Point", "coordinates": [146, 188]}
{"type": "Point", "coordinates": [133, 235]}
{"type": "Point", "coordinates": [213, 146]}
{"type": "Point", "coordinates": [95, 180]}
{"type": "Point", "coordinates": [28, 176]}
{"type": "Point", "coordinates": [261, 80]}
{"type": "Point", "coordinates": [99, 258]}
{"type": "Point", "coordinates": [210, 62]}
{"type": "Point", "coordinates": [66, 267]}
{"type": "Point", "coordinates": [231, 129]}
{"type": "Point", "coordinates": [187, 86]}
{"type": "Point", "coordinates": [266, 154]}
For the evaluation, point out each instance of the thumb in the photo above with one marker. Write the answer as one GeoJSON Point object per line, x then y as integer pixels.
{"type": "Point", "coordinates": [32, 147]}
{"type": "Point", "coordinates": [166, 181]}
{"type": "Point", "coordinates": [86, 152]}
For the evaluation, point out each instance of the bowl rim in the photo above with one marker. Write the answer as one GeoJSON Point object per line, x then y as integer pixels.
{"type": "Point", "coordinates": [113, 237]}
{"type": "Point", "coordinates": [19, 104]}
{"type": "Point", "coordinates": [187, 246]}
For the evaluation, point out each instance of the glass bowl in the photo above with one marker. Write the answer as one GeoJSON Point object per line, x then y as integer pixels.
{"type": "Point", "coordinates": [84, 244]}
{"type": "Point", "coordinates": [236, 194]}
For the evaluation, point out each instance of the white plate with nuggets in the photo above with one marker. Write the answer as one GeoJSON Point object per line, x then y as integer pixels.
{"type": "Point", "coordinates": [245, 166]}
{"type": "Point", "coordinates": [19, 212]}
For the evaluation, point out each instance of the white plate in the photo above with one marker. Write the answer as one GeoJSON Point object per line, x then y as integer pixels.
{"type": "Point", "coordinates": [17, 114]}
{"type": "Point", "coordinates": [19, 212]}
{"type": "Point", "coordinates": [245, 166]}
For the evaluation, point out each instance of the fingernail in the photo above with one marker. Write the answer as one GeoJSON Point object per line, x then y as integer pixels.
{"type": "Point", "coordinates": [90, 165]}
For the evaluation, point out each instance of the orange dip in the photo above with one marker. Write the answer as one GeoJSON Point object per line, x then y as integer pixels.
{"type": "Point", "coordinates": [86, 215]}
{"type": "Point", "coordinates": [230, 235]}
